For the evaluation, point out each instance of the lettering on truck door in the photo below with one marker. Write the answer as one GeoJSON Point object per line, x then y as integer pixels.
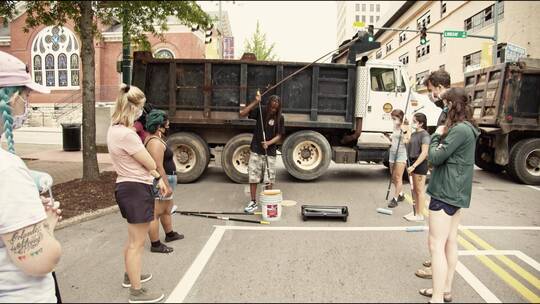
{"type": "Point", "coordinates": [384, 96]}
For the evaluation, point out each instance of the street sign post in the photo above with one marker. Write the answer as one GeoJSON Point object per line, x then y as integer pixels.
{"type": "Point", "coordinates": [455, 34]}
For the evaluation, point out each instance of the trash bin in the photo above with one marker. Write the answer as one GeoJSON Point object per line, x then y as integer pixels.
{"type": "Point", "coordinates": [71, 136]}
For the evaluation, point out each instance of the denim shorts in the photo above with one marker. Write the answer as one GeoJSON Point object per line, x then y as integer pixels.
{"type": "Point", "coordinates": [401, 156]}
{"type": "Point", "coordinates": [172, 182]}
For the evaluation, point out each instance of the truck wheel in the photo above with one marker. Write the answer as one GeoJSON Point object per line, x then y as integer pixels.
{"type": "Point", "coordinates": [191, 155]}
{"type": "Point", "coordinates": [235, 158]}
{"type": "Point", "coordinates": [524, 163]}
{"type": "Point", "coordinates": [306, 155]}
{"type": "Point", "coordinates": [484, 159]}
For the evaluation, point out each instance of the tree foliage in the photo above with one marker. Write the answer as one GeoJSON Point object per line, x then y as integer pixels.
{"type": "Point", "coordinates": [257, 45]}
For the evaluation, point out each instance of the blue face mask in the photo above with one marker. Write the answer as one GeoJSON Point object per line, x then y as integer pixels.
{"type": "Point", "coordinates": [445, 109]}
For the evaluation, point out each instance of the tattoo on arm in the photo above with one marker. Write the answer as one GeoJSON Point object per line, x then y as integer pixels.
{"type": "Point", "coordinates": [25, 243]}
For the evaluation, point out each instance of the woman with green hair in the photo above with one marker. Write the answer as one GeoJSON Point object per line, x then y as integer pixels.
{"type": "Point", "coordinates": [29, 251]}
{"type": "Point", "coordinates": [157, 124]}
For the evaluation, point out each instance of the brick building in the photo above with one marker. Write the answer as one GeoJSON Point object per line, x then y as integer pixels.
{"type": "Point", "coordinates": [52, 55]}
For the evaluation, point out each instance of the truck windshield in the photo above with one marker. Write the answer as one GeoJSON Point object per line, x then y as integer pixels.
{"type": "Point", "coordinates": [384, 80]}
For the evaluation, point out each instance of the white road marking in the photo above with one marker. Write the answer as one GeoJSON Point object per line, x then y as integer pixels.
{"type": "Point", "coordinates": [487, 252]}
{"type": "Point", "coordinates": [533, 187]}
{"type": "Point", "coordinates": [527, 259]}
{"type": "Point", "coordinates": [476, 284]}
{"type": "Point", "coordinates": [190, 277]}
{"type": "Point", "coordinates": [368, 228]}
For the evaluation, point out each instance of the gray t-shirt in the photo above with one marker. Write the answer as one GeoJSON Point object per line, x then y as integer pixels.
{"type": "Point", "coordinates": [20, 206]}
{"type": "Point", "coordinates": [418, 139]}
{"type": "Point", "coordinates": [395, 140]}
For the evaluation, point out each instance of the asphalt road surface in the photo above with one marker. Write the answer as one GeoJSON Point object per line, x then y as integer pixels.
{"type": "Point", "coordinates": [369, 258]}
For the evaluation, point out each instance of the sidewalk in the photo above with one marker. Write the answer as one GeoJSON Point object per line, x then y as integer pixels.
{"type": "Point", "coordinates": [62, 166]}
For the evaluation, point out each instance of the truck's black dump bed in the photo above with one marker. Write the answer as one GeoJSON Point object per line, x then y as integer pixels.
{"type": "Point", "coordinates": [210, 92]}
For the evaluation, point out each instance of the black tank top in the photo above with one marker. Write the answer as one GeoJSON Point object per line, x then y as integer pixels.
{"type": "Point", "coordinates": [168, 161]}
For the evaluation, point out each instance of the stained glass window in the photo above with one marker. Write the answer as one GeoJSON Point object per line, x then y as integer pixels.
{"type": "Point", "coordinates": [55, 53]}
{"type": "Point", "coordinates": [164, 54]}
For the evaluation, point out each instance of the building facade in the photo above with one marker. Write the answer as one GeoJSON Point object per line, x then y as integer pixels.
{"type": "Point", "coordinates": [518, 28]}
{"type": "Point", "coordinates": [222, 44]}
{"type": "Point", "coordinates": [52, 54]}
{"type": "Point", "coordinates": [348, 12]}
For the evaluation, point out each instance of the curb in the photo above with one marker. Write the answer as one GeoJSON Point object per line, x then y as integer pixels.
{"type": "Point", "coordinates": [87, 216]}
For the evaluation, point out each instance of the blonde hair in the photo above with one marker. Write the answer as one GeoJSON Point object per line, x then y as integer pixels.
{"type": "Point", "coordinates": [128, 104]}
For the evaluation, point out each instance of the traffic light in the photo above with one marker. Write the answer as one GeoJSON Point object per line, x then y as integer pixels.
{"type": "Point", "coordinates": [208, 35]}
{"type": "Point", "coordinates": [423, 34]}
{"type": "Point", "coordinates": [370, 33]}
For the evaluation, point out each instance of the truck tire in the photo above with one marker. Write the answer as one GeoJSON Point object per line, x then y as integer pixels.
{"type": "Point", "coordinates": [191, 155]}
{"type": "Point", "coordinates": [306, 155]}
{"type": "Point", "coordinates": [235, 158]}
{"type": "Point", "coordinates": [480, 159]}
{"type": "Point", "coordinates": [524, 162]}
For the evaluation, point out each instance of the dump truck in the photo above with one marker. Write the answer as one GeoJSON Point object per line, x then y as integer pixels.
{"type": "Point", "coordinates": [506, 102]}
{"type": "Point", "coordinates": [325, 106]}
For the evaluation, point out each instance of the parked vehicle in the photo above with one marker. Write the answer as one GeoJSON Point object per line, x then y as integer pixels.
{"type": "Point", "coordinates": [506, 100]}
{"type": "Point", "coordinates": [322, 105]}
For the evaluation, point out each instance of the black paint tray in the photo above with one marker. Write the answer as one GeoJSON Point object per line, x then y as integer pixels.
{"type": "Point", "coordinates": [314, 212]}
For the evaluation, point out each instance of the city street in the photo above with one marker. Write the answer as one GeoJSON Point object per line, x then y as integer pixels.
{"type": "Point", "coordinates": [370, 258]}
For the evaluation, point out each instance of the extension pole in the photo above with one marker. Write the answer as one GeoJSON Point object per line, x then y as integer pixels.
{"type": "Point", "coordinates": [219, 212]}
{"type": "Point", "coordinates": [227, 218]}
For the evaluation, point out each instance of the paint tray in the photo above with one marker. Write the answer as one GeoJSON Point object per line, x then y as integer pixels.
{"type": "Point", "coordinates": [315, 212]}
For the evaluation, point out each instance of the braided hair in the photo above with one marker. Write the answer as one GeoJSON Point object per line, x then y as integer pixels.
{"type": "Point", "coordinates": [5, 115]}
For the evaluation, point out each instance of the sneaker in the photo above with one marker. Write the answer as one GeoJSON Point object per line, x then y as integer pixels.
{"type": "Point", "coordinates": [144, 296]}
{"type": "Point", "coordinates": [393, 203]}
{"type": "Point", "coordinates": [174, 237]}
{"type": "Point", "coordinates": [144, 278]}
{"type": "Point", "coordinates": [251, 207]}
{"type": "Point", "coordinates": [401, 197]}
{"type": "Point", "coordinates": [410, 214]}
{"type": "Point", "coordinates": [414, 218]}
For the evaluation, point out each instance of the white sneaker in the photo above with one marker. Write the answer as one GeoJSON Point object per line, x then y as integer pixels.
{"type": "Point", "coordinates": [415, 218]}
{"type": "Point", "coordinates": [408, 215]}
{"type": "Point", "coordinates": [251, 207]}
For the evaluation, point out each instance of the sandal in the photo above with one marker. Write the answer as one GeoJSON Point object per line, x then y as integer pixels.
{"type": "Point", "coordinates": [424, 273]}
{"type": "Point", "coordinates": [162, 248]}
{"type": "Point", "coordinates": [428, 292]}
{"type": "Point", "coordinates": [427, 263]}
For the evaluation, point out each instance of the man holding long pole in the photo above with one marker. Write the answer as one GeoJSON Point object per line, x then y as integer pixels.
{"type": "Point", "coordinates": [269, 128]}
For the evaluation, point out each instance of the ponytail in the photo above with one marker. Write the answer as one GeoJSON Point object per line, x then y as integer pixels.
{"type": "Point", "coordinates": [5, 115]}
{"type": "Point", "coordinates": [130, 100]}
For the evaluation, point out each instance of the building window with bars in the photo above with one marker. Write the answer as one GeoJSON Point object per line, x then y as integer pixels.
{"type": "Point", "coordinates": [363, 7]}
{"type": "Point", "coordinates": [472, 61]}
{"type": "Point", "coordinates": [388, 47]}
{"type": "Point", "coordinates": [443, 8]}
{"type": "Point", "coordinates": [483, 18]}
{"type": "Point", "coordinates": [371, 7]}
{"type": "Point", "coordinates": [422, 51]}
{"type": "Point", "coordinates": [443, 44]}
{"type": "Point", "coordinates": [378, 55]}
{"type": "Point", "coordinates": [420, 79]}
{"type": "Point", "coordinates": [378, 8]}
{"type": "Point", "coordinates": [402, 36]}
{"type": "Point", "coordinates": [357, 7]}
{"type": "Point", "coordinates": [404, 58]}
{"type": "Point", "coordinates": [364, 19]}
{"type": "Point", "coordinates": [371, 19]}
{"type": "Point", "coordinates": [425, 20]}
{"type": "Point", "coordinates": [357, 18]}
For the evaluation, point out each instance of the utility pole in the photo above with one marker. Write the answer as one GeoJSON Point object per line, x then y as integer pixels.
{"type": "Point", "coordinates": [496, 20]}
{"type": "Point", "coordinates": [126, 50]}
{"type": "Point", "coordinates": [220, 32]}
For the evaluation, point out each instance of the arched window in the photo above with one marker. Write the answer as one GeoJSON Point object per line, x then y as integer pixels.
{"type": "Point", "coordinates": [59, 48]}
{"type": "Point", "coordinates": [164, 54]}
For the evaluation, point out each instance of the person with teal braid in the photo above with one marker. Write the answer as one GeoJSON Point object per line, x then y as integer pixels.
{"type": "Point", "coordinates": [29, 251]}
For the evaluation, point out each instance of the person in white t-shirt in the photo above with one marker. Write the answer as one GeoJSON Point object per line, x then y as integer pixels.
{"type": "Point", "coordinates": [28, 250]}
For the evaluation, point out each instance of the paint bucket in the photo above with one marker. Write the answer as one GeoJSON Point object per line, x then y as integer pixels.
{"type": "Point", "coordinates": [271, 205]}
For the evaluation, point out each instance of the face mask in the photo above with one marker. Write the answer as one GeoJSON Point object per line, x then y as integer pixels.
{"type": "Point", "coordinates": [414, 126]}
{"type": "Point", "coordinates": [396, 122]}
{"type": "Point", "coordinates": [20, 111]}
{"type": "Point", "coordinates": [165, 132]}
{"type": "Point", "coordinates": [439, 103]}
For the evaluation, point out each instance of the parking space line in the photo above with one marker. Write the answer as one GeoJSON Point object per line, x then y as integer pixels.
{"type": "Point", "coordinates": [501, 273]}
{"type": "Point", "coordinates": [505, 260]}
{"type": "Point", "coordinates": [476, 284]}
{"type": "Point", "coordinates": [368, 228]}
{"type": "Point", "coordinates": [527, 259]}
{"type": "Point", "coordinates": [190, 277]}
{"type": "Point", "coordinates": [409, 200]}
{"type": "Point", "coordinates": [500, 228]}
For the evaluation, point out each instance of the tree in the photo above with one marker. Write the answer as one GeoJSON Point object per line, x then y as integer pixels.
{"type": "Point", "coordinates": [141, 18]}
{"type": "Point", "coordinates": [257, 45]}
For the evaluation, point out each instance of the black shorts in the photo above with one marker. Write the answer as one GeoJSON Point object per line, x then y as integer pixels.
{"type": "Point", "coordinates": [436, 205]}
{"type": "Point", "coordinates": [422, 169]}
{"type": "Point", "coordinates": [135, 201]}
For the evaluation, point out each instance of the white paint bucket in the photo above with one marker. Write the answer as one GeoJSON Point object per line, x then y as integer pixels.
{"type": "Point", "coordinates": [271, 205]}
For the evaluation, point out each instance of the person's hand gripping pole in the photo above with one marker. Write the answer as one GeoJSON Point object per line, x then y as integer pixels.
{"type": "Point", "coordinates": [265, 147]}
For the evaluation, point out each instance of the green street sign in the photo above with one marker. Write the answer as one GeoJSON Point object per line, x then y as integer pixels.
{"type": "Point", "coordinates": [359, 24]}
{"type": "Point", "coordinates": [455, 34]}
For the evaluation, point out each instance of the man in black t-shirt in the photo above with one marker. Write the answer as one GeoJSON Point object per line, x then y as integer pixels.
{"type": "Point", "coordinates": [263, 152]}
